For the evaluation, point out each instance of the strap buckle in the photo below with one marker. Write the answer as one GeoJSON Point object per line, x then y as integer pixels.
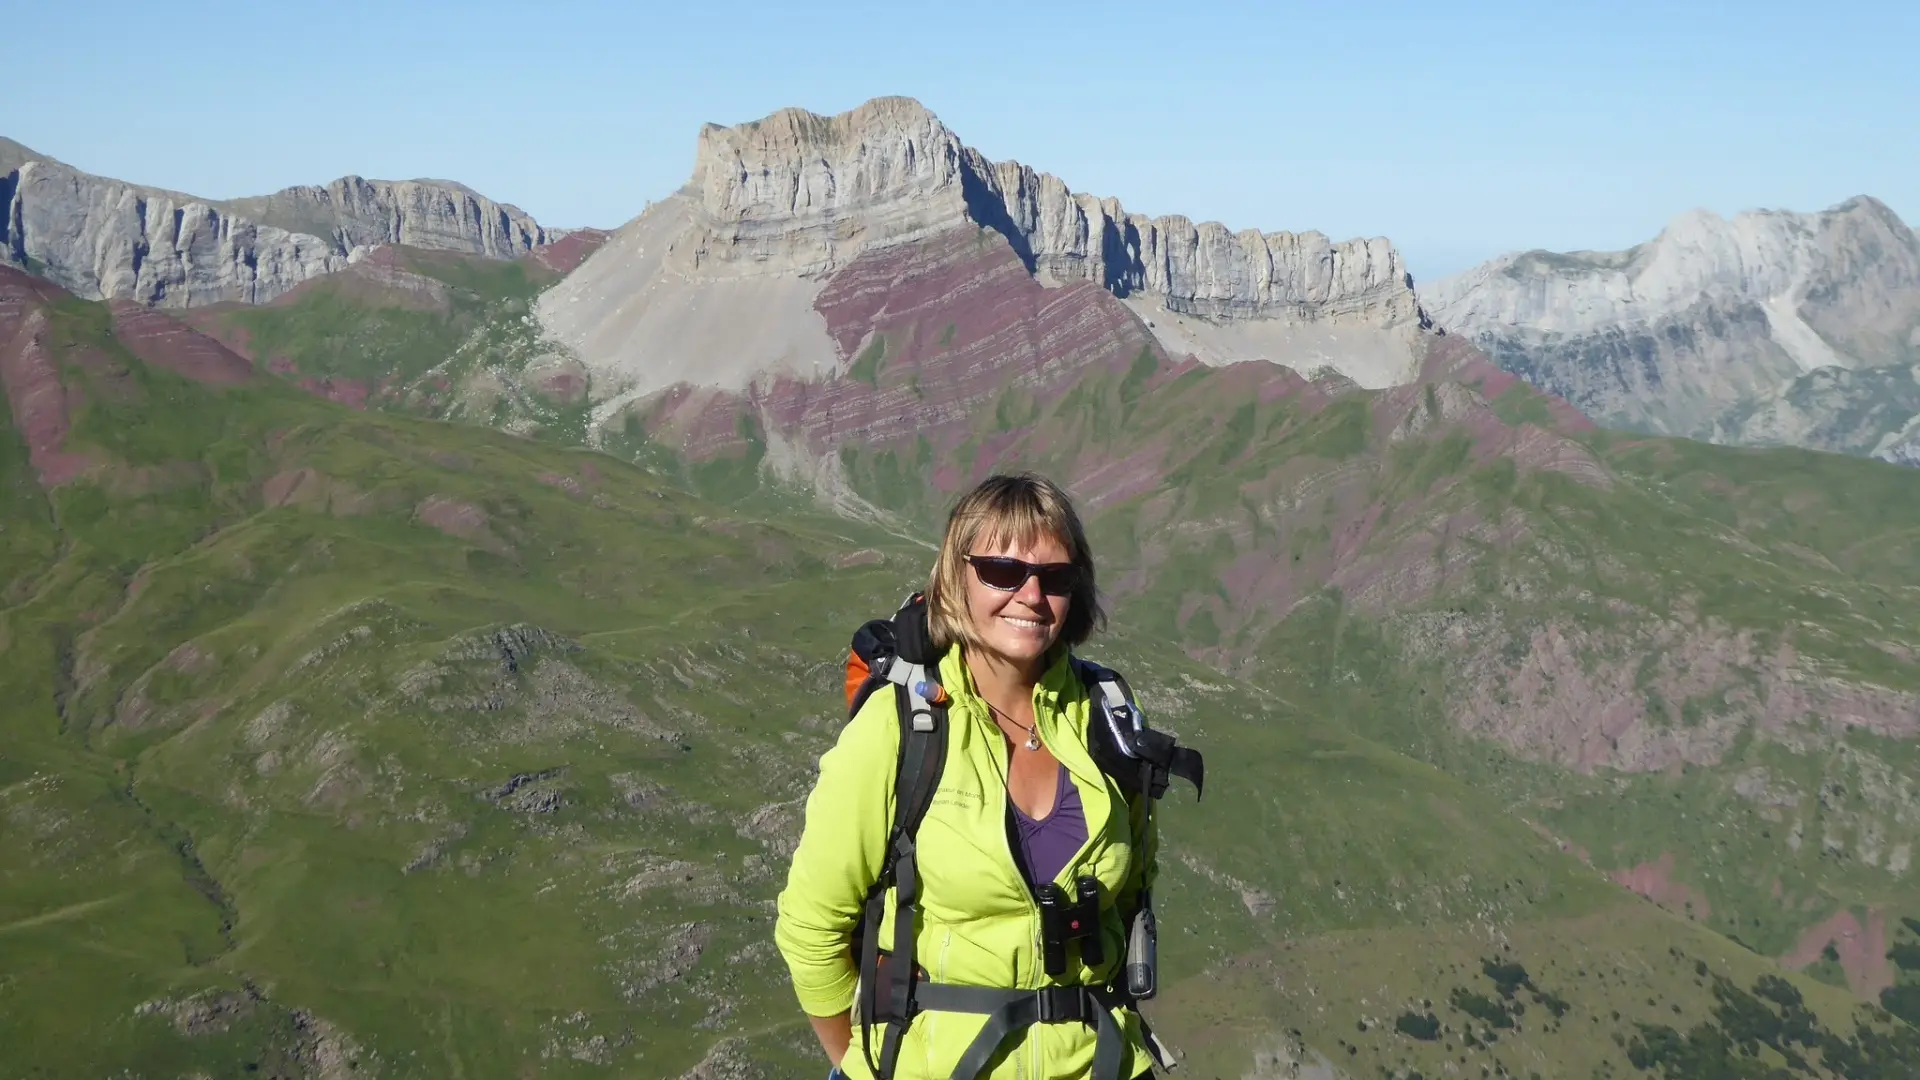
{"type": "Point", "coordinates": [1060, 1004]}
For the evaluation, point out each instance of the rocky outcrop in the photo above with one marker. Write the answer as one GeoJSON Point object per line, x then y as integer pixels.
{"type": "Point", "coordinates": [106, 239]}
{"type": "Point", "coordinates": [1201, 269]}
{"type": "Point", "coordinates": [1712, 321]}
{"type": "Point", "coordinates": [1850, 411]}
{"type": "Point", "coordinates": [775, 208]}
{"type": "Point", "coordinates": [1901, 447]}
{"type": "Point", "coordinates": [102, 239]}
{"type": "Point", "coordinates": [435, 214]}
{"type": "Point", "coordinates": [800, 194]}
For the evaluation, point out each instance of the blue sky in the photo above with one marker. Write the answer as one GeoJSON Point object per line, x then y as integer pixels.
{"type": "Point", "coordinates": [1459, 130]}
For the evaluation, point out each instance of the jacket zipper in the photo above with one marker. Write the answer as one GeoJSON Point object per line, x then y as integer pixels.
{"type": "Point", "coordinates": [1013, 857]}
{"type": "Point", "coordinates": [1029, 1065]}
{"type": "Point", "coordinates": [1033, 1044]}
{"type": "Point", "coordinates": [1000, 752]}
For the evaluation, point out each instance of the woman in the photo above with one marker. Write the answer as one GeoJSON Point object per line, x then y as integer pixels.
{"type": "Point", "coordinates": [1020, 806]}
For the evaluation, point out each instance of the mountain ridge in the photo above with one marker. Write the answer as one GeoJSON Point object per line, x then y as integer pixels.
{"type": "Point", "coordinates": [775, 207]}
{"type": "Point", "coordinates": [1711, 323]}
{"type": "Point", "coordinates": [104, 238]}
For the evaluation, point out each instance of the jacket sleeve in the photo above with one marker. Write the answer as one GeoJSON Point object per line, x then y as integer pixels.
{"type": "Point", "coordinates": [842, 846]}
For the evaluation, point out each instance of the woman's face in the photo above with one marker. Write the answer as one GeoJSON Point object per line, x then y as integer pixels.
{"type": "Point", "coordinates": [1019, 626]}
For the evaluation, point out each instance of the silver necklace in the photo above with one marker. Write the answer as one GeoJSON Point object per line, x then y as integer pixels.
{"type": "Point", "coordinates": [1033, 734]}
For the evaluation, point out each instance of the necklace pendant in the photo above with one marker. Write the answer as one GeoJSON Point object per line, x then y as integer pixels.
{"type": "Point", "coordinates": [1033, 740]}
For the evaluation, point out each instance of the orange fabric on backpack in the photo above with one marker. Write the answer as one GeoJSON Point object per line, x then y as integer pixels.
{"type": "Point", "coordinates": [856, 675]}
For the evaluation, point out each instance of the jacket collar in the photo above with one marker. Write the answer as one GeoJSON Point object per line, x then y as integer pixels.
{"type": "Point", "coordinates": [1050, 694]}
{"type": "Point", "coordinates": [1055, 697]}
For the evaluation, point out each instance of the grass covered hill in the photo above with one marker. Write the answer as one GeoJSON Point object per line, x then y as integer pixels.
{"type": "Point", "coordinates": [343, 742]}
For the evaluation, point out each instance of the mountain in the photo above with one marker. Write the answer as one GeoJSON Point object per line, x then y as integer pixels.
{"type": "Point", "coordinates": [107, 239]}
{"type": "Point", "coordinates": [778, 209]}
{"type": "Point", "coordinates": [1773, 328]}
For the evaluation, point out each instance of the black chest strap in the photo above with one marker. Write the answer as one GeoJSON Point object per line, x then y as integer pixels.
{"type": "Point", "coordinates": [1009, 1011]}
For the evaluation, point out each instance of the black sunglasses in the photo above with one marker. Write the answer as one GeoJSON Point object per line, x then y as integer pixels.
{"type": "Point", "coordinates": [1007, 575]}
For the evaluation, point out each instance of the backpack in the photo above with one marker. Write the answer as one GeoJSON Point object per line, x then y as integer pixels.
{"type": "Point", "coordinates": [1141, 762]}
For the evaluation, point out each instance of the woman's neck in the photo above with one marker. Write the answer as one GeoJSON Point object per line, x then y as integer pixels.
{"type": "Point", "coordinates": [1005, 683]}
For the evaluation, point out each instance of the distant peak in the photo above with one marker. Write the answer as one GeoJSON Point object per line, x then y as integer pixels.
{"type": "Point", "coordinates": [872, 108]}
{"type": "Point", "coordinates": [1869, 207]}
{"type": "Point", "coordinates": [795, 164]}
{"type": "Point", "coordinates": [1699, 223]}
{"type": "Point", "coordinates": [799, 127]}
{"type": "Point", "coordinates": [1697, 220]}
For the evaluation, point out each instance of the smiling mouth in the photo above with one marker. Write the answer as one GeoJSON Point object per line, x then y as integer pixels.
{"type": "Point", "coordinates": [1024, 624]}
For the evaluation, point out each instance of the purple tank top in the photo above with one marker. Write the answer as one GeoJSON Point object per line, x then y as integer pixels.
{"type": "Point", "coordinates": [1048, 843]}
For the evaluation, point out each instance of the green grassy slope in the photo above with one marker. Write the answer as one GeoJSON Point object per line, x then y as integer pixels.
{"type": "Point", "coordinates": [424, 333]}
{"type": "Point", "coordinates": [345, 739]}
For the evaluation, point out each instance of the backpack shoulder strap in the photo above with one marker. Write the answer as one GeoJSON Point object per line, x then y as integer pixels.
{"type": "Point", "coordinates": [1140, 759]}
{"type": "Point", "coordinates": [923, 751]}
{"type": "Point", "coordinates": [922, 708]}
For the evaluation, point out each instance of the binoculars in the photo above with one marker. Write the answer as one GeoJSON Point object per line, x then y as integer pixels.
{"type": "Point", "coordinates": [1063, 920]}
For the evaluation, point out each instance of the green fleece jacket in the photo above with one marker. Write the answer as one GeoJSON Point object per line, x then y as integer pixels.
{"type": "Point", "coordinates": [979, 924]}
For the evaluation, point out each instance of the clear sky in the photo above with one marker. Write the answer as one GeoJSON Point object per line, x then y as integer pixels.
{"type": "Point", "coordinates": [1459, 130]}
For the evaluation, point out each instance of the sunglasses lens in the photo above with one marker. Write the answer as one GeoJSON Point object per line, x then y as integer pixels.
{"type": "Point", "coordinates": [1003, 574]}
{"type": "Point", "coordinates": [1059, 580]}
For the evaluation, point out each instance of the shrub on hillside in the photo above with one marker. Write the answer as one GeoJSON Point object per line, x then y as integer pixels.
{"type": "Point", "coordinates": [1422, 1026]}
{"type": "Point", "coordinates": [1906, 955]}
{"type": "Point", "coordinates": [1903, 1001]}
{"type": "Point", "coordinates": [1487, 1011]}
{"type": "Point", "coordinates": [1508, 978]}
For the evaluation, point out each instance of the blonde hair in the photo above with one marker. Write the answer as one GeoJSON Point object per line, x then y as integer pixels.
{"type": "Point", "coordinates": [1021, 509]}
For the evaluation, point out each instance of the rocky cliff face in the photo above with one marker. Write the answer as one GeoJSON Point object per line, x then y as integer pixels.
{"type": "Point", "coordinates": [435, 214]}
{"type": "Point", "coordinates": [106, 239]}
{"type": "Point", "coordinates": [1708, 324]}
{"type": "Point", "coordinates": [1902, 447]}
{"type": "Point", "coordinates": [777, 207]}
{"type": "Point", "coordinates": [803, 193]}
{"type": "Point", "coordinates": [1203, 269]}
{"type": "Point", "coordinates": [1865, 411]}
